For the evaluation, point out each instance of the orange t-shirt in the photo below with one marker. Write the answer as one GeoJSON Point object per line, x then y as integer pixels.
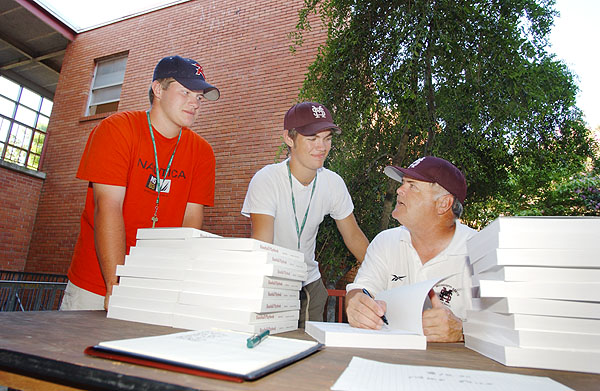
{"type": "Point", "coordinates": [119, 152]}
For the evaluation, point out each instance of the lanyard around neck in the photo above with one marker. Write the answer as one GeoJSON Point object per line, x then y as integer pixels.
{"type": "Point", "coordinates": [158, 180]}
{"type": "Point", "coordinates": [299, 230]}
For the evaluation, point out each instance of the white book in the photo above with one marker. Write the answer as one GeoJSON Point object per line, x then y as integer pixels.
{"type": "Point", "coordinates": [245, 304]}
{"type": "Point", "coordinates": [197, 323]}
{"type": "Point", "coordinates": [171, 262]}
{"type": "Point", "coordinates": [173, 233]}
{"type": "Point", "coordinates": [237, 244]}
{"type": "Point", "coordinates": [151, 272]}
{"type": "Point", "coordinates": [146, 293]}
{"type": "Point", "coordinates": [235, 279]}
{"type": "Point", "coordinates": [404, 315]}
{"type": "Point", "coordinates": [139, 315]}
{"type": "Point", "coordinates": [541, 274]}
{"type": "Point", "coordinates": [533, 338]}
{"type": "Point", "coordinates": [583, 291]}
{"type": "Point", "coordinates": [532, 240]}
{"type": "Point", "coordinates": [239, 316]}
{"type": "Point", "coordinates": [536, 232]}
{"type": "Point", "coordinates": [535, 322]}
{"type": "Point", "coordinates": [239, 291]}
{"type": "Point", "coordinates": [249, 268]}
{"type": "Point", "coordinates": [141, 303]}
{"type": "Point", "coordinates": [155, 283]}
{"type": "Point", "coordinates": [525, 305]}
{"type": "Point", "coordinates": [343, 335]}
{"type": "Point", "coordinates": [571, 258]}
{"type": "Point", "coordinates": [216, 255]}
{"type": "Point", "coordinates": [557, 359]}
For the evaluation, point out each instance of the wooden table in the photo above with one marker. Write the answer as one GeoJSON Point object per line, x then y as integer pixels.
{"type": "Point", "coordinates": [44, 350]}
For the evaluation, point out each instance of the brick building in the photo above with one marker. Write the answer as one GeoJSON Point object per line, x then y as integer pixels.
{"type": "Point", "coordinates": [243, 48]}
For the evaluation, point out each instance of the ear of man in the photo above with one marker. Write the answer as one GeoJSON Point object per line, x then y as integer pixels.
{"type": "Point", "coordinates": [444, 203]}
{"type": "Point", "coordinates": [287, 139]}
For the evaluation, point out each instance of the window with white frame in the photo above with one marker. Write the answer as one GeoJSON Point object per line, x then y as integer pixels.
{"type": "Point", "coordinates": [106, 87]}
{"type": "Point", "coordinates": [24, 117]}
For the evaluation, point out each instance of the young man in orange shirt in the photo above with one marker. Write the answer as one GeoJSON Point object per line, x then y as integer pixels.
{"type": "Point", "coordinates": [145, 169]}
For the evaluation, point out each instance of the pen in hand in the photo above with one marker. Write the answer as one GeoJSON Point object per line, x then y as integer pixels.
{"type": "Point", "coordinates": [256, 339]}
{"type": "Point", "coordinates": [366, 292]}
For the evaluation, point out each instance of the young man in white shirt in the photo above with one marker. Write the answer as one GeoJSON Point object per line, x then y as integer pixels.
{"type": "Point", "coordinates": [287, 201]}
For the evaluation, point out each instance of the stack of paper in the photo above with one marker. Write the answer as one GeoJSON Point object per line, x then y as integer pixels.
{"type": "Point", "coordinates": [536, 292]}
{"type": "Point", "coordinates": [183, 278]}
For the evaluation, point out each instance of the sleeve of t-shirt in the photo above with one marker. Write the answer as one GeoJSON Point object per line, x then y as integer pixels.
{"type": "Point", "coordinates": [341, 205]}
{"type": "Point", "coordinates": [203, 181]}
{"type": "Point", "coordinates": [107, 153]}
{"type": "Point", "coordinates": [261, 196]}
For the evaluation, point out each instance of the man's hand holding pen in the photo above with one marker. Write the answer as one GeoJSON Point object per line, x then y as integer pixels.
{"type": "Point", "coordinates": [363, 311]}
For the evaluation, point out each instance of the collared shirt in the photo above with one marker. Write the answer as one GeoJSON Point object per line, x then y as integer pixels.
{"type": "Point", "coordinates": [392, 261]}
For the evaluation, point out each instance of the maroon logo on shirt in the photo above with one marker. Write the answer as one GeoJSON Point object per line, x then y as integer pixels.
{"type": "Point", "coordinates": [446, 294]}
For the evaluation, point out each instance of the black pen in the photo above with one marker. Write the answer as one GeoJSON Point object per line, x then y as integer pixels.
{"type": "Point", "coordinates": [366, 292]}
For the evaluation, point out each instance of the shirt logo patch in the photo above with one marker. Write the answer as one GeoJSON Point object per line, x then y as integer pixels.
{"type": "Point", "coordinates": [165, 184]}
{"type": "Point", "coordinates": [447, 293]}
{"type": "Point", "coordinates": [397, 278]}
{"type": "Point", "coordinates": [318, 112]}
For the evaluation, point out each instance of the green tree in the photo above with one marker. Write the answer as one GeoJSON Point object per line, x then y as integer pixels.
{"type": "Point", "coordinates": [467, 80]}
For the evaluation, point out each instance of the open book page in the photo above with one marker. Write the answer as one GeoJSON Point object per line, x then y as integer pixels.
{"type": "Point", "coordinates": [405, 305]}
{"type": "Point", "coordinates": [223, 351]}
{"type": "Point", "coordinates": [362, 374]}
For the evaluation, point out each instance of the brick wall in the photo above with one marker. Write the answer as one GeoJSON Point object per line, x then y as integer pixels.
{"type": "Point", "coordinates": [19, 199]}
{"type": "Point", "coordinates": [243, 48]}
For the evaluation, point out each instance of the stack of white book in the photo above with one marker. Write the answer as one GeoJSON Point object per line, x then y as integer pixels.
{"type": "Point", "coordinates": [536, 293]}
{"type": "Point", "coordinates": [190, 279]}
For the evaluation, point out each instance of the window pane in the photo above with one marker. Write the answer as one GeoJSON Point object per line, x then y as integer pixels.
{"type": "Point", "coordinates": [7, 107]}
{"type": "Point", "coordinates": [8, 88]}
{"type": "Point", "coordinates": [26, 116]}
{"type": "Point", "coordinates": [105, 95]}
{"type": "Point", "coordinates": [20, 136]}
{"type": "Point", "coordinates": [110, 72]}
{"type": "Point", "coordinates": [46, 107]}
{"type": "Point", "coordinates": [33, 162]}
{"type": "Point", "coordinates": [4, 126]}
{"type": "Point", "coordinates": [38, 143]}
{"type": "Point", "coordinates": [30, 99]}
{"type": "Point", "coordinates": [42, 123]}
{"type": "Point", "coordinates": [15, 155]}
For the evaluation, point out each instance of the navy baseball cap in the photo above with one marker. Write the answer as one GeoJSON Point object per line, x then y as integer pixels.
{"type": "Point", "coordinates": [309, 118]}
{"type": "Point", "coordinates": [433, 169]}
{"type": "Point", "coordinates": [186, 72]}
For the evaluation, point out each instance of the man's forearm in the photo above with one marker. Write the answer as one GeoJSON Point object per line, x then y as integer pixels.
{"type": "Point", "coordinates": [109, 233]}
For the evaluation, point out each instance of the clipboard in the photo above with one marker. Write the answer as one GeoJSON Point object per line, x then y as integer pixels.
{"type": "Point", "coordinates": [208, 353]}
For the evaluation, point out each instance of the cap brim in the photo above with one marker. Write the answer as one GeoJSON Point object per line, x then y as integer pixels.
{"type": "Point", "coordinates": [316, 127]}
{"type": "Point", "coordinates": [210, 92]}
{"type": "Point", "coordinates": [394, 173]}
{"type": "Point", "coordinates": [397, 173]}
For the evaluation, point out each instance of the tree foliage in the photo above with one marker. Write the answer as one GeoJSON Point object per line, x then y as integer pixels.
{"type": "Point", "coordinates": [467, 80]}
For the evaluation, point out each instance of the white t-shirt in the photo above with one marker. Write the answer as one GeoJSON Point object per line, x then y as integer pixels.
{"type": "Point", "coordinates": [392, 261]}
{"type": "Point", "coordinates": [269, 193]}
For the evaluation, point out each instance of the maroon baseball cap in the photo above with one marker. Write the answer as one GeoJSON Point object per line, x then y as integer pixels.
{"type": "Point", "coordinates": [188, 73]}
{"type": "Point", "coordinates": [309, 118]}
{"type": "Point", "coordinates": [433, 169]}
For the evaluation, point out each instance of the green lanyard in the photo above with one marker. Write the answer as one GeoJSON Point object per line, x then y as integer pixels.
{"type": "Point", "coordinates": [158, 186]}
{"type": "Point", "coordinates": [299, 230]}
